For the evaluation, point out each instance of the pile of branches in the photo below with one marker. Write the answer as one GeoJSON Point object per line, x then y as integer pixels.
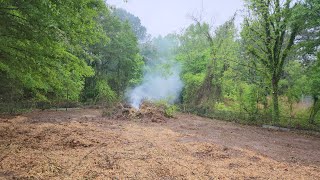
{"type": "Point", "coordinates": [148, 112]}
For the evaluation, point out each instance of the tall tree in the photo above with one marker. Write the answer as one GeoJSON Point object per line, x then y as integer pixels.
{"type": "Point", "coordinates": [310, 44]}
{"type": "Point", "coordinates": [117, 64]}
{"type": "Point", "coordinates": [211, 88]}
{"type": "Point", "coordinates": [43, 44]}
{"type": "Point", "coordinates": [135, 23]}
{"type": "Point", "coordinates": [206, 56]}
{"type": "Point", "coordinates": [269, 32]}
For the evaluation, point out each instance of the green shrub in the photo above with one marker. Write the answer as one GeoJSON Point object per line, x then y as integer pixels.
{"type": "Point", "coordinates": [170, 111]}
{"type": "Point", "coordinates": [105, 94]}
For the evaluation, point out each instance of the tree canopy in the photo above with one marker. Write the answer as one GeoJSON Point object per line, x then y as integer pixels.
{"type": "Point", "coordinates": [87, 52]}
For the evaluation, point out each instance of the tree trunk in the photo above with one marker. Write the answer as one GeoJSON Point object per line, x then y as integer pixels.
{"type": "Point", "coordinates": [275, 99]}
{"type": "Point", "coordinates": [205, 92]}
{"type": "Point", "coordinates": [314, 110]}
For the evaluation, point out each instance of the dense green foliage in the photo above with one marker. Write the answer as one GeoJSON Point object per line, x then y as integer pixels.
{"type": "Point", "coordinates": [135, 23]}
{"type": "Point", "coordinates": [117, 64]}
{"type": "Point", "coordinates": [269, 37]}
{"type": "Point", "coordinates": [83, 51]}
{"type": "Point", "coordinates": [270, 73]}
{"type": "Point", "coordinates": [42, 51]}
{"type": "Point", "coordinates": [51, 50]}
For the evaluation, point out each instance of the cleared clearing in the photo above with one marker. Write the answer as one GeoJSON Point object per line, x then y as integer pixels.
{"type": "Point", "coordinates": [81, 144]}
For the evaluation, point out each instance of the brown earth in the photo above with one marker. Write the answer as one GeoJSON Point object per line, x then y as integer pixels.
{"type": "Point", "coordinates": [81, 144]}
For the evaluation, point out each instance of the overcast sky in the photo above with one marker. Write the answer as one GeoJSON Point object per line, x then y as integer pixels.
{"type": "Point", "coordinates": [161, 17]}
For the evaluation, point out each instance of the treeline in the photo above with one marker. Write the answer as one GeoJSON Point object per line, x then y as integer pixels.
{"type": "Point", "coordinates": [84, 51]}
{"type": "Point", "coordinates": [67, 51]}
{"type": "Point", "coordinates": [269, 69]}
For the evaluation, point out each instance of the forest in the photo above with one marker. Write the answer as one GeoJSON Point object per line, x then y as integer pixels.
{"type": "Point", "coordinates": [75, 53]}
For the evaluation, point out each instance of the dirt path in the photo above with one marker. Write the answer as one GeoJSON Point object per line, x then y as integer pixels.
{"type": "Point", "coordinates": [80, 144]}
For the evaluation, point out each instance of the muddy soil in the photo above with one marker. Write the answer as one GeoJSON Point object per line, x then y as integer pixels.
{"type": "Point", "coordinates": [81, 144]}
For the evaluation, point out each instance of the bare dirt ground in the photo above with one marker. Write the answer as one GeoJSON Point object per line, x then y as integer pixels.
{"type": "Point", "coordinates": [81, 144]}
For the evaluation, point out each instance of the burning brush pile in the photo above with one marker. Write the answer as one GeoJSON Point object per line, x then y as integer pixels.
{"type": "Point", "coordinates": [148, 112]}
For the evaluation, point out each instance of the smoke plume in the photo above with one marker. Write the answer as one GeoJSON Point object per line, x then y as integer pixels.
{"type": "Point", "coordinates": [161, 81]}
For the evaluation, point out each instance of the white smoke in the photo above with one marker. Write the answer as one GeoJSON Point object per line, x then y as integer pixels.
{"type": "Point", "coordinates": [162, 83]}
